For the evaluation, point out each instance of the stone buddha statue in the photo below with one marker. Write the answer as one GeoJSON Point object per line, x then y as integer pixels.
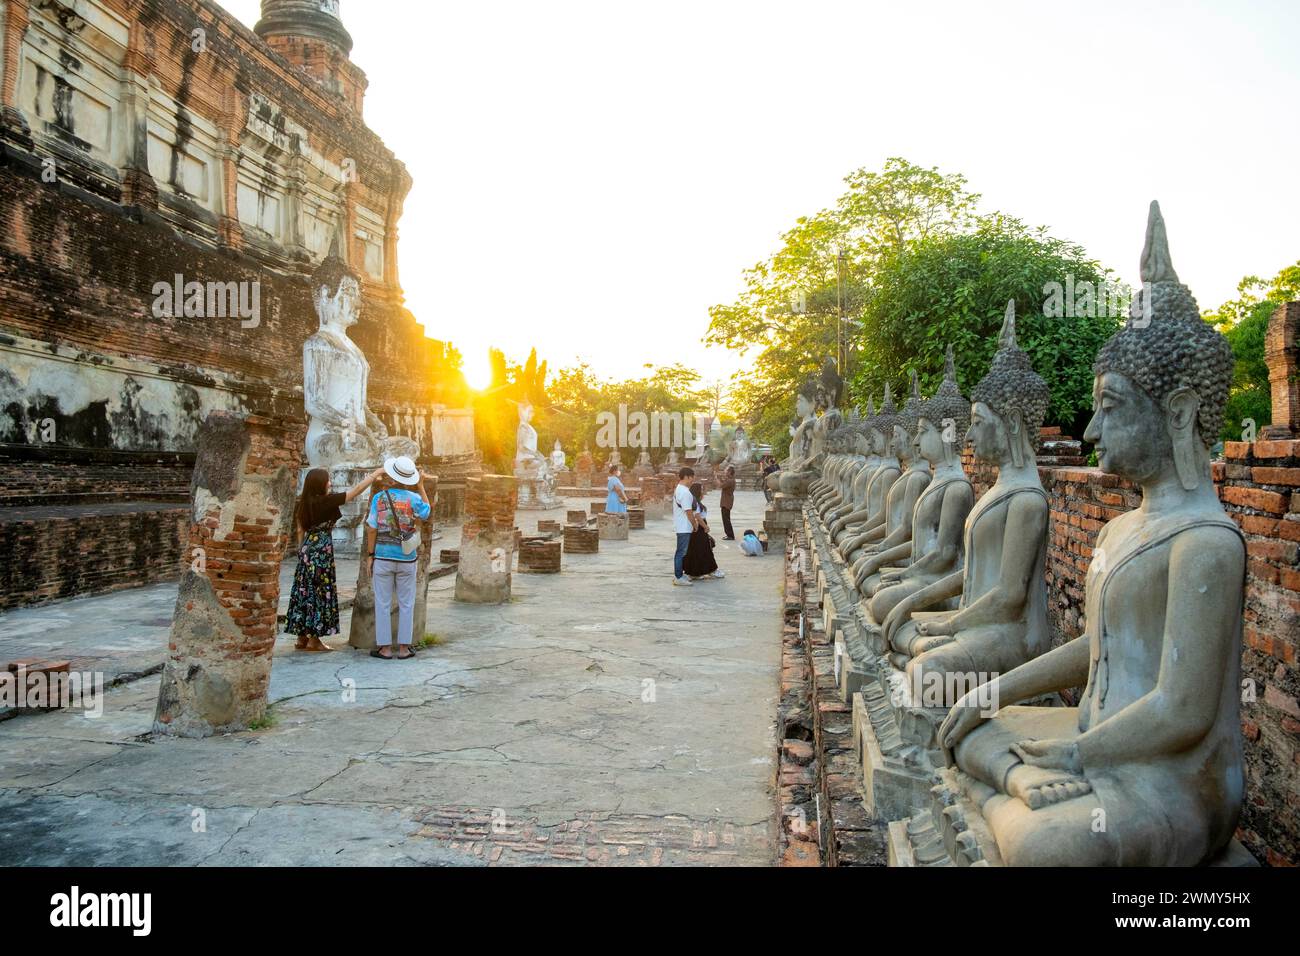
{"type": "Point", "coordinates": [860, 528]}
{"type": "Point", "coordinates": [838, 498]}
{"type": "Point", "coordinates": [870, 488]}
{"type": "Point", "coordinates": [896, 529]}
{"type": "Point", "coordinates": [1001, 619]}
{"type": "Point", "coordinates": [557, 458]}
{"type": "Point", "coordinates": [937, 547]}
{"type": "Point", "coordinates": [795, 473]}
{"type": "Point", "coordinates": [841, 452]}
{"type": "Point", "coordinates": [1154, 748]}
{"type": "Point", "coordinates": [739, 450]}
{"type": "Point", "coordinates": [643, 459]}
{"type": "Point", "coordinates": [342, 432]}
{"type": "Point", "coordinates": [532, 469]}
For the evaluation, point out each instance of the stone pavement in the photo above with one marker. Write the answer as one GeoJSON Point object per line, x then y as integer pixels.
{"type": "Point", "coordinates": [601, 717]}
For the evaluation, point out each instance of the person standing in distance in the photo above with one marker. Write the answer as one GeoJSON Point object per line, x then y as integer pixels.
{"type": "Point", "coordinates": [684, 523]}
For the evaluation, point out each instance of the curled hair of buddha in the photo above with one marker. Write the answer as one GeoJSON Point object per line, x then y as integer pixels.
{"type": "Point", "coordinates": [948, 402]}
{"type": "Point", "coordinates": [1012, 383]}
{"type": "Point", "coordinates": [910, 416]}
{"type": "Point", "coordinates": [885, 420]}
{"type": "Point", "coordinates": [331, 273]}
{"type": "Point", "coordinates": [830, 386]}
{"type": "Point", "coordinates": [1165, 344]}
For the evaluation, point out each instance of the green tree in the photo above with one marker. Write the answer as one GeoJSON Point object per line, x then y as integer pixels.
{"type": "Point", "coordinates": [953, 289]}
{"type": "Point", "coordinates": [1244, 321]}
{"type": "Point", "coordinates": [787, 317]}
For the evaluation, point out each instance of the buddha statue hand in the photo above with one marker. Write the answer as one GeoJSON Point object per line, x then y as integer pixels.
{"type": "Point", "coordinates": [967, 714]}
{"type": "Point", "coordinates": [890, 578]}
{"type": "Point", "coordinates": [1051, 773]}
{"type": "Point", "coordinates": [378, 430]}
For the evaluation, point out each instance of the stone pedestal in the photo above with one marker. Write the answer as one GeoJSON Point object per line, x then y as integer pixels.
{"type": "Point", "coordinates": [654, 498]}
{"type": "Point", "coordinates": [612, 527]}
{"type": "Point", "coordinates": [576, 517]}
{"type": "Point", "coordinates": [782, 514]}
{"type": "Point", "coordinates": [489, 501]}
{"type": "Point", "coordinates": [579, 539]}
{"type": "Point", "coordinates": [483, 575]}
{"type": "Point", "coordinates": [636, 519]}
{"type": "Point", "coordinates": [540, 557]}
{"type": "Point", "coordinates": [218, 664]}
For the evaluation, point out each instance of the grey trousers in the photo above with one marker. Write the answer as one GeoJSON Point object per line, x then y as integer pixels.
{"type": "Point", "coordinates": [394, 577]}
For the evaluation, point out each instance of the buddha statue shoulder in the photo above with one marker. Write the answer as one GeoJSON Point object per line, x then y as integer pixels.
{"type": "Point", "coordinates": [1154, 747]}
{"type": "Point", "coordinates": [1001, 619]}
{"type": "Point", "coordinates": [342, 431]}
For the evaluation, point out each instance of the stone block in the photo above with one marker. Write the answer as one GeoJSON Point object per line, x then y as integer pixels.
{"type": "Point", "coordinates": [483, 574]}
{"type": "Point", "coordinates": [612, 527]}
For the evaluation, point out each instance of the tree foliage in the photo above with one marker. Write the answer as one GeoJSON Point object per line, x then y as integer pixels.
{"type": "Point", "coordinates": [952, 289]}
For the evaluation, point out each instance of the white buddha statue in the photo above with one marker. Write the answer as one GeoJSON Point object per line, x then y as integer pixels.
{"type": "Point", "coordinates": [343, 432]}
{"type": "Point", "coordinates": [557, 458]}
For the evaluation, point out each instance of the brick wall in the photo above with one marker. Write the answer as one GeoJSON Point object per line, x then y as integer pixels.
{"type": "Point", "coordinates": [51, 556]}
{"type": "Point", "coordinates": [1259, 485]}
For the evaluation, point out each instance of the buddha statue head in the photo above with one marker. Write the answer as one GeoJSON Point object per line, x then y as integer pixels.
{"type": "Point", "coordinates": [1161, 381]}
{"type": "Point", "coordinates": [336, 293]}
{"type": "Point", "coordinates": [944, 420]}
{"type": "Point", "coordinates": [882, 424]}
{"type": "Point", "coordinates": [904, 434]}
{"type": "Point", "coordinates": [1009, 404]}
{"type": "Point", "coordinates": [805, 402]}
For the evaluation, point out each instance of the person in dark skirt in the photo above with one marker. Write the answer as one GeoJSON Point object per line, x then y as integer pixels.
{"type": "Point", "coordinates": [314, 600]}
{"type": "Point", "coordinates": [699, 562]}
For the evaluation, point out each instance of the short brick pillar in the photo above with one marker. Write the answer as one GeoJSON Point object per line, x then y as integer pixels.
{"type": "Point", "coordinates": [579, 539]}
{"type": "Point", "coordinates": [242, 498]}
{"type": "Point", "coordinates": [597, 507]}
{"type": "Point", "coordinates": [636, 519]}
{"type": "Point", "coordinates": [449, 556]}
{"type": "Point", "coordinates": [576, 517]}
{"type": "Point", "coordinates": [1282, 354]}
{"type": "Point", "coordinates": [654, 497]}
{"type": "Point", "coordinates": [540, 557]}
{"type": "Point", "coordinates": [612, 527]}
{"type": "Point", "coordinates": [489, 500]}
{"type": "Point", "coordinates": [548, 527]}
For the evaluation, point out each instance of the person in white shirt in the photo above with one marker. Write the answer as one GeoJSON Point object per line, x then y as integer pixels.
{"type": "Point", "coordinates": [684, 522]}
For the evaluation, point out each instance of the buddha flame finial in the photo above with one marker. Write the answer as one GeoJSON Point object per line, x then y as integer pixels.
{"type": "Point", "coordinates": [1157, 266]}
{"type": "Point", "coordinates": [1007, 337]}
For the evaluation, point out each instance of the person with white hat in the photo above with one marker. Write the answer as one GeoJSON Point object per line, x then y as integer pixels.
{"type": "Point", "coordinates": [393, 550]}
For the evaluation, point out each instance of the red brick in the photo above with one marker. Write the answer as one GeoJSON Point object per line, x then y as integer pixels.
{"type": "Point", "coordinates": [1276, 476]}
{"type": "Point", "coordinates": [1256, 498]}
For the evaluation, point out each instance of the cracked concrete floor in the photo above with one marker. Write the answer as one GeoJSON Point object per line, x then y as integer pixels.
{"type": "Point", "coordinates": [601, 717]}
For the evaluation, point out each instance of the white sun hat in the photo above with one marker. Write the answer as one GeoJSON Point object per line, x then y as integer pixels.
{"type": "Point", "coordinates": [403, 470]}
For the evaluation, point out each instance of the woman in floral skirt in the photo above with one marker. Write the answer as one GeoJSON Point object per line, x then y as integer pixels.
{"type": "Point", "coordinates": [314, 601]}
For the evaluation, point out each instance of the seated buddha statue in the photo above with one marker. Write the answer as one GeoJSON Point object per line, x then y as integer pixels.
{"type": "Point", "coordinates": [1001, 619]}
{"type": "Point", "coordinates": [858, 530]}
{"type": "Point", "coordinates": [841, 454]}
{"type": "Point", "coordinates": [1154, 747]}
{"type": "Point", "coordinates": [896, 531]}
{"type": "Point", "coordinates": [801, 438]}
{"type": "Point", "coordinates": [936, 549]}
{"type": "Point", "coordinates": [862, 457]}
{"type": "Point", "coordinates": [820, 394]}
{"type": "Point", "coordinates": [871, 487]}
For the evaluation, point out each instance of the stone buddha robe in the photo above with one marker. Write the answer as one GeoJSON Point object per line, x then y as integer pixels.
{"type": "Point", "coordinates": [848, 530]}
{"type": "Point", "coordinates": [1172, 809]}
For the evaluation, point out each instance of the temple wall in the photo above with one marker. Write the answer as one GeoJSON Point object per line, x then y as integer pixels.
{"type": "Point", "coordinates": [145, 140]}
{"type": "Point", "coordinates": [1259, 485]}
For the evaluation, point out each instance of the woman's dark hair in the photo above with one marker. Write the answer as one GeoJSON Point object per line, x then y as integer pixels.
{"type": "Point", "coordinates": [314, 487]}
{"type": "Point", "coordinates": [697, 492]}
{"type": "Point", "coordinates": [614, 469]}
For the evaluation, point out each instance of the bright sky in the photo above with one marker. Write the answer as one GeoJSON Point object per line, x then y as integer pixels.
{"type": "Point", "coordinates": [590, 176]}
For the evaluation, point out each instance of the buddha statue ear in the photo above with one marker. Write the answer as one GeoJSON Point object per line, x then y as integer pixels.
{"type": "Point", "coordinates": [1016, 437]}
{"type": "Point", "coordinates": [1181, 407]}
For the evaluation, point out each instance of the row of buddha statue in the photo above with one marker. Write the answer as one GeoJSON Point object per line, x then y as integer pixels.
{"type": "Point", "coordinates": [1147, 768]}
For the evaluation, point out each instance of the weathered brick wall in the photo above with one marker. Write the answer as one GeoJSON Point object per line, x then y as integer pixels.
{"type": "Point", "coordinates": [1259, 485]}
{"type": "Point", "coordinates": [50, 556]}
{"type": "Point", "coordinates": [75, 476]}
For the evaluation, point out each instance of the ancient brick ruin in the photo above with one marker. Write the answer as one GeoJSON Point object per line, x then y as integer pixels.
{"type": "Point", "coordinates": [146, 141]}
